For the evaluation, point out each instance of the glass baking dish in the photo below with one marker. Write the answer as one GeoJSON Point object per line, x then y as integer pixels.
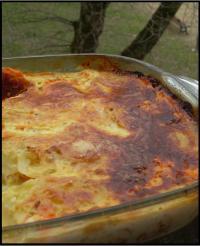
{"type": "Point", "coordinates": [134, 222]}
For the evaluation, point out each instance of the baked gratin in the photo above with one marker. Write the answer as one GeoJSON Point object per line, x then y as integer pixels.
{"type": "Point", "coordinates": [76, 142]}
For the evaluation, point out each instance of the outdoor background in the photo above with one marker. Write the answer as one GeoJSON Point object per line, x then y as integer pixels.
{"type": "Point", "coordinates": [37, 29]}
{"type": "Point", "coordinates": [175, 51]}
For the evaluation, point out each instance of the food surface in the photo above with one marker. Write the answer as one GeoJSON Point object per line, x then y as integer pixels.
{"type": "Point", "coordinates": [95, 138]}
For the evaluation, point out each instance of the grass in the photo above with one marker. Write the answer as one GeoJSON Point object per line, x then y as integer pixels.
{"type": "Point", "coordinates": [122, 23]}
{"type": "Point", "coordinates": [175, 56]}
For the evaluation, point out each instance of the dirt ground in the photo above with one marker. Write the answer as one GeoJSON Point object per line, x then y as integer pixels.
{"type": "Point", "coordinates": [188, 13]}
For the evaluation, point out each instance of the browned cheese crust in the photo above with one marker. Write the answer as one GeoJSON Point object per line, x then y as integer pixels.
{"type": "Point", "coordinates": [75, 142]}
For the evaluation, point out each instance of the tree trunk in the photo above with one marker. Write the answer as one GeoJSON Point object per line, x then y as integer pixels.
{"type": "Point", "coordinates": [89, 27]}
{"type": "Point", "coordinates": [152, 32]}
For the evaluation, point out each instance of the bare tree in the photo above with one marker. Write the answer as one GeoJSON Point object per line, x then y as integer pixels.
{"type": "Point", "coordinates": [89, 27]}
{"type": "Point", "coordinates": [152, 32]}
{"type": "Point", "coordinates": [53, 40]}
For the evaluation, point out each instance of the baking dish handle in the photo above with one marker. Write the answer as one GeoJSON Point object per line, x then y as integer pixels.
{"type": "Point", "coordinates": [191, 84]}
{"type": "Point", "coordinates": [183, 83]}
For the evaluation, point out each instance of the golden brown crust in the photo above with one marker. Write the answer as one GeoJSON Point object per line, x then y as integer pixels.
{"type": "Point", "coordinates": [116, 130]}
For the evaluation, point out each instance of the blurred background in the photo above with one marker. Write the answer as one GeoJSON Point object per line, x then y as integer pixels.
{"type": "Point", "coordinates": [166, 36]}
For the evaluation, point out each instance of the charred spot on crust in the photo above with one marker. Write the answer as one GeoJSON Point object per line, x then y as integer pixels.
{"type": "Point", "coordinates": [187, 107]}
{"type": "Point", "coordinates": [154, 82]}
{"type": "Point", "coordinates": [131, 73]}
{"type": "Point", "coordinates": [173, 121]}
{"type": "Point", "coordinates": [138, 74]}
{"type": "Point", "coordinates": [13, 83]}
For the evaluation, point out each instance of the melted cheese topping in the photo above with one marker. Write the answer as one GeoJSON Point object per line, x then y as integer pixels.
{"type": "Point", "coordinates": [75, 142]}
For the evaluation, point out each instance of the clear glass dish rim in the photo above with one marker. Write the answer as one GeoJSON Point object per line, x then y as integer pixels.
{"type": "Point", "coordinates": [124, 207]}
{"type": "Point", "coordinates": [127, 206]}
